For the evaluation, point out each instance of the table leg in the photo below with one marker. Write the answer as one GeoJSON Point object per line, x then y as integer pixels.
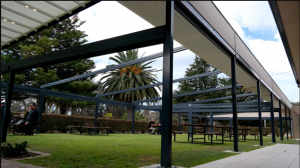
{"type": "Point", "coordinates": [211, 139]}
{"type": "Point", "coordinates": [204, 138]}
{"type": "Point", "coordinates": [192, 134]}
{"type": "Point", "coordinates": [174, 136]}
{"type": "Point", "coordinates": [223, 139]}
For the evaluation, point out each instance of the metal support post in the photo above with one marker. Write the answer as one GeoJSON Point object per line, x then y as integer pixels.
{"type": "Point", "coordinates": [272, 120]}
{"type": "Point", "coordinates": [160, 116]}
{"type": "Point", "coordinates": [167, 93]}
{"type": "Point", "coordinates": [41, 109]}
{"type": "Point", "coordinates": [190, 120]}
{"type": "Point", "coordinates": [206, 122]}
{"type": "Point", "coordinates": [230, 124]}
{"type": "Point", "coordinates": [96, 116]}
{"type": "Point", "coordinates": [211, 120]}
{"type": "Point", "coordinates": [8, 97]}
{"type": "Point", "coordinates": [261, 142]}
{"type": "Point", "coordinates": [179, 120]}
{"type": "Point", "coordinates": [280, 122]}
{"type": "Point", "coordinates": [286, 124]}
{"type": "Point", "coordinates": [290, 123]}
{"type": "Point", "coordinates": [133, 114]}
{"type": "Point", "coordinates": [234, 105]}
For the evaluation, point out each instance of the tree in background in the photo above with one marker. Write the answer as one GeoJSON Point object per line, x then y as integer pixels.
{"type": "Point", "coordinates": [57, 37]}
{"type": "Point", "coordinates": [201, 66]}
{"type": "Point", "coordinates": [128, 77]}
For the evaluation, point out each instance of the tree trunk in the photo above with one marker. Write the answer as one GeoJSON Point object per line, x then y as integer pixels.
{"type": "Point", "coordinates": [129, 113]}
{"type": "Point", "coordinates": [63, 109]}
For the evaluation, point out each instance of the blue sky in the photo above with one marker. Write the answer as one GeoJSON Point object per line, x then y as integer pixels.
{"type": "Point", "coordinates": [253, 21]}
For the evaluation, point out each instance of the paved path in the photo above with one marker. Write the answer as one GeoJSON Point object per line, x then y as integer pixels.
{"type": "Point", "coordinates": [13, 164]}
{"type": "Point", "coordinates": [275, 156]}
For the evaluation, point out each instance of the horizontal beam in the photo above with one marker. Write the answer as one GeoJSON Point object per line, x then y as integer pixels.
{"type": "Point", "coordinates": [143, 59]}
{"type": "Point", "coordinates": [220, 98]}
{"type": "Point", "coordinates": [245, 118]}
{"type": "Point", "coordinates": [158, 84]}
{"type": "Point", "coordinates": [220, 110]}
{"type": "Point", "coordinates": [139, 39]}
{"type": "Point", "coordinates": [199, 106]}
{"type": "Point", "coordinates": [33, 90]}
{"type": "Point", "coordinates": [189, 93]}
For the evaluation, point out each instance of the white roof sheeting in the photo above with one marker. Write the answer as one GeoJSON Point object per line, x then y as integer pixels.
{"type": "Point", "coordinates": [19, 18]}
{"type": "Point", "coordinates": [242, 115]}
{"type": "Point", "coordinates": [186, 34]}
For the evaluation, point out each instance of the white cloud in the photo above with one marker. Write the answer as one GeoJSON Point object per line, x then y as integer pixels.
{"type": "Point", "coordinates": [257, 18]}
{"type": "Point", "coordinates": [110, 19]}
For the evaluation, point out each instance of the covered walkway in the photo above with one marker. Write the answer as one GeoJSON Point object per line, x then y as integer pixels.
{"type": "Point", "coordinates": [275, 156]}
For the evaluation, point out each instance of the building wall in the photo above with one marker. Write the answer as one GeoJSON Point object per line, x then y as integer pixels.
{"type": "Point", "coordinates": [295, 119]}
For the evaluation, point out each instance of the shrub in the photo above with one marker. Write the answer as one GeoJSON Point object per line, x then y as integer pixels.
{"type": "Point", "coordinates": [9, 151]}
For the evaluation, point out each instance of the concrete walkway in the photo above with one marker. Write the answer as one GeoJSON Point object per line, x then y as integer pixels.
{"type": "Point", "coordinates": [275, 156]}
{"type": "Point", "coordinates": [13, 164]}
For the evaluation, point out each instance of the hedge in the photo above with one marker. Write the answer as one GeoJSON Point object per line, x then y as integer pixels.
{"type": "Point", "coordinates": [57, 122]}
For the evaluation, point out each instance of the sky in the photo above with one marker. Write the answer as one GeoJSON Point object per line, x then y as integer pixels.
{"type": "Point", "coordinates": [253, 22]}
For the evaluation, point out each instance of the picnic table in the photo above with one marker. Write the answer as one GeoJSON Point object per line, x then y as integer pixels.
{"type": "Point", "coordinates": [17, 125]}
{"type": "Point", "coordinates": [158, 126]}
{"type": "Point", "coordinates": [225, 130]}
{"type": "Point", "coordinates": [197, 125]}
{"type": "Point", "coordinates": [89, 127]}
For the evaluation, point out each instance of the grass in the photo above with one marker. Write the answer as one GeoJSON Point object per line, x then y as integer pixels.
{"type": "Point", "coordinates": [124, 150]}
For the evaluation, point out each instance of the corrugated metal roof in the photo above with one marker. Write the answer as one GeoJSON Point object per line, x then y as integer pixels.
{"type": "Point", "coordinates": [19, 18]}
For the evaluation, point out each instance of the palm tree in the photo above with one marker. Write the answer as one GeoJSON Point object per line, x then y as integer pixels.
{"type": "Point", "coordinates": [128, 77]}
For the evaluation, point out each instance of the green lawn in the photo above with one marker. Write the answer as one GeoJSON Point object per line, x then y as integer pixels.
{"type": "Point", "coordinates": [124, 150]}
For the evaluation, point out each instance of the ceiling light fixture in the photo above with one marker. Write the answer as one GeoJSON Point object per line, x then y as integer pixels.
{"type": "Point", "coordinates": [13, 22]}
{"type": "Point", "coordinates": [35, 10]}
{"type": "Point", "coordinates": [5, 19]}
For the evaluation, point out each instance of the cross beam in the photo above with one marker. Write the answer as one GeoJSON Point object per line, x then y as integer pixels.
{"type": "Point", "coordinates": [158, 84]}
{"type": "Point", "coordinates": [189, 93]}
{"type": "Point", "coordinates": [139, 39]}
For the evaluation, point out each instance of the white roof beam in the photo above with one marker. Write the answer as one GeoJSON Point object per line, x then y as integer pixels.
{"type": "Point", "coordinates": [79, 3]}
{"type": "Point", "coordinates": [59, 7]}
{"type": "Point", "coordinates": [23, 15]}
{"type": "Point", "coordinates": [37, 9]}
{"type": "Point", "coordinates": [18, 23]}
{"type": "Point", "coordinates": [7, 36]}
{"type": "Point", "coordinates": [12, 30]}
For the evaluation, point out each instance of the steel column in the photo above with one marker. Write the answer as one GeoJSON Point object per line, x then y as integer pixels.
{"type": "Point", "coordinates": [8, 97]}
{"type": "Point", "coordinates": [96, 116]}
{"type": "Point", "coordinates": [211, 121]}
{"type": "Point", "coordinates": [160, 116]}
{"type": "Point", "coordinates": [167, 93]}
{"type": "Point", "coordinates": [280, 122]}
{"type": "Point", "coordinates": [133, 114]}
{"type": "Point", "coordinates": [190, 120]}
{"type": "Point", "coordinates": [234, 105]}
{"type": "Point", "coordinates": [261, 142]}
{"type": "Point", "coordinates": [286, 124]}
{"type": "Point", "coordinates": [290, 123]}
{"type": "Point", "coordinates": [179, 119]}
{"type": "Point", "coordinates": [41, 109]}
{"type": "Point", "coordinates": [206, 122]}
{"type": "Point", "coordinates": [272, 120]}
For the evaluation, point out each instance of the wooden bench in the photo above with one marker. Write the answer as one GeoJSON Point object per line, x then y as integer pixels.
{"type": "Point", "coordinates": [181, 132]}
{"type": "Point", "coordinates": [80, 130]}
{"type": "Point", "coordinates": [22, 126]}
{"type": "Point", "coordinates": [210, 134]}
{"type": "Point", "coordinates": [98, 129]}
{"type": "Point", "coordinates": [255, 136]}
{"type": "Point", "coordinates": [243, 136]}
